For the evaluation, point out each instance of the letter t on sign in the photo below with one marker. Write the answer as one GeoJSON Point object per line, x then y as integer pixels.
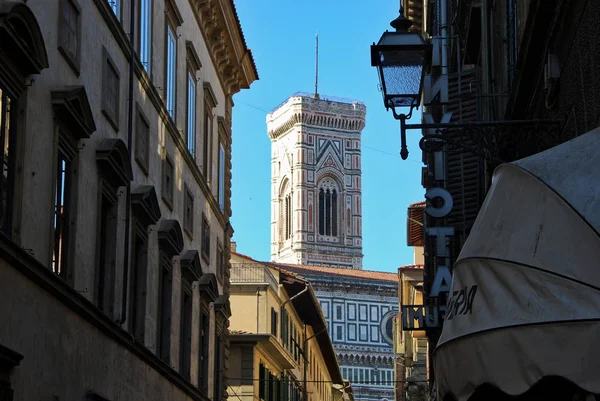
{"type": "Point", "coordinates": [441, 233]}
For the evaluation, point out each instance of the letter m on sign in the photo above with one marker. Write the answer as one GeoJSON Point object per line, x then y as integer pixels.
{"type": "Point", "coordinates": [412, 314]}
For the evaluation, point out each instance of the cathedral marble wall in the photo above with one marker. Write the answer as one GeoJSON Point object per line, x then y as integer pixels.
{"type": "Point", "coordinates": [316, 146]}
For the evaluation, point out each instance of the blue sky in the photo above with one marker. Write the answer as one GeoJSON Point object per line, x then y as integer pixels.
{"type": "Point", "coordinates": [281, 35]}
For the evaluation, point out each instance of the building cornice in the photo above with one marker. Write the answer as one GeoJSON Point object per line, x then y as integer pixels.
{"type": "Point", "coordinates": [222, 32]}
{"type": "Point", "coordinates": [344, 124]}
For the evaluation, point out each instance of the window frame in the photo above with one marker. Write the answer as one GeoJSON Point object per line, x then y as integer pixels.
{"type": "Point", "coordinates": [221, 176]}
{"type": "Point", "coordinates": [218, 365]}
{"type": "Point", "coordinates": [193, 66]}
{"type": "Point", "coordinates": [185, 326]}
{"type": "Point", "coordinates": [104, 288]}
{"type": "Point", "coordinates": [205, 244]}
{"type": "Point", "coordinates": [73, 60]}
{"type": "Point", "coordinates": [107, 64]}
{"type": "Point", "coordinates": [274, 321]}
{"type": "Point", "coordinates": [173, 20]}
{"type": "Point", "coordinates": [206, 135]}
{"type": "Point", "coordinates": [170, 79]}
{"type": "Point", "coordinates": [163, 338]}
{"type": "Point", "coordinates": [210, 102]}
{"type": "Point", "coordinates": [138, 282]}
{"type": "Point", "coordinates": [117, 9]}
{"type": "Point", "coordinates": [147, 66]}
{"type": "Point", "coordinates": [188, 218]}
{"type": "Point", "coordinates": [167, 194]}
{"type": "Point", "coordinates": [191, 104]}
{"type": "Point", "coordinates": [204, 348]}
{"type": "Point", "coordinates": [328, 209]}
{"type": "Point", "coordinates": [142, 155]}
{"type": "Point", "coordinates": [220, 262]}
{"type": "Point", "coordinates": [9, 110]}
{"type": "Point", "coordinates": [67, 148]}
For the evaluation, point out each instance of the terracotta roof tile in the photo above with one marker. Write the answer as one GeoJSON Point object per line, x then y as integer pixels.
{"type": "Point", "coordinates": [418, 204]}
{"type": "Point", "coordinates": [411, 267]}
{"type": "Point", "coordinates": [297, 270]}
{"type": "Point", "coordinates": [367, 274]}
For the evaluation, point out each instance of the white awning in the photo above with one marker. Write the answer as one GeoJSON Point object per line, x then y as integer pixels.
{"type": "Point", "coordinates": [534, 256]}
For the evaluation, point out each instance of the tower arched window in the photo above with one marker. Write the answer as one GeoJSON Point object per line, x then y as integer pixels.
{"type": "Point", "coordinates": [288, 217]}
{"type": "Point", "coordinates": [285, 201]}
{"type": "Point", "coordinates": [328, 208]}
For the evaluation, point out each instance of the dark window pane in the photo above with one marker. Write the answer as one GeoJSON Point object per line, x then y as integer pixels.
{"type": "Point", "coordinates": [327, 213]}
{"type": "Point", "coordinates": [107, 260]}
{"type": "Point", "coordinates": [164, 325]}
{"type": "Point", "coordinates": [7, 138]}
{"type": "Point", "coordinates": [145, 33]}
{"type": "Point", "coordinates": [141, 140]}
{"type": "Point", "coordinates": [334, 213]}
{"type": "Point", "coordinates": [185, 347]}
{"type": "Point", "coordinates": [204, 347]}
{"type": "Point", "coordinates": [321, 212]}
{"type": "Point", "coordinates": [137, 304]}
{"type": "Point", "coordinates": [61, 214]}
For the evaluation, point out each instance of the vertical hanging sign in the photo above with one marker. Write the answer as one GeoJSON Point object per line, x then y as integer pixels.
{"type": "Point", "coordinates": [435, 92]}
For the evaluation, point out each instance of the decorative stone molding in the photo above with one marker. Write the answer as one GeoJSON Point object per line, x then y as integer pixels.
{"type": "Point", "coordinates": [170, 237]}
{"type": "Point", "coordinates": [144, 203]}
{"type": "Point", "coordinates": [220, 26]}
{"type": "Point", "coordinates": [112, 157]}
{"type": "Point", "coordinates": [72, 106]}
{"type": "Point", "coordinates": [22, 38]}
{"type": "Point", "coordinates": [307, 118]}
{"type": "Point", "coordinates": [190, 265]}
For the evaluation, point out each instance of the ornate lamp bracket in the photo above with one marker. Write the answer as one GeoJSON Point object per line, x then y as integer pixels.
{"type": "Point", "coordinates": [480, 138]}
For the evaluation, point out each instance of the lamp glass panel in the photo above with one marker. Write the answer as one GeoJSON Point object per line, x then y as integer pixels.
{"type": "Point", "coordinates": [402, 72]}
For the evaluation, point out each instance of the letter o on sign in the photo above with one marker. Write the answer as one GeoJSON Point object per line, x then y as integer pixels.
{"type": "Point", "coordinates": [443, 210]}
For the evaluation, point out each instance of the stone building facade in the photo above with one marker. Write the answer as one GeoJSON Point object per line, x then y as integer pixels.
{"type": "Point", "coordinates": [360, 307]}
{"type": "Point", "coordinates": [316, 211]}
{"type": "Point", "coordinates": [279, 336]}
{"type": "Point", "coordinates": [115, 198]}
{"type": "Point", "coordinates": [410, 346]}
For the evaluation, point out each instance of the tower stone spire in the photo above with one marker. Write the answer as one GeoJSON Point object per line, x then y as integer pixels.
{"type": "Point", "coordinates": [316, 197]}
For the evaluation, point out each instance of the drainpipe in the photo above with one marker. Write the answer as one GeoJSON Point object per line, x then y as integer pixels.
{"type": "Point", "coordinates": [295, 296]}
{"type": "Point", "coordinates": [130, 148]}
{"type": "Point", "coordinates": [282, 307]}
{"type": "Point", "coordinates": [257, 310]}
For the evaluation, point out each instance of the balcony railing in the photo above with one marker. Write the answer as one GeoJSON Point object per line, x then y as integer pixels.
{"type": "Point", "coordinates": [252, 273]}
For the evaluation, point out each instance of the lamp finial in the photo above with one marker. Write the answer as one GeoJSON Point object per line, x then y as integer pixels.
{"type": "Point", "coordinates": [401, 24]}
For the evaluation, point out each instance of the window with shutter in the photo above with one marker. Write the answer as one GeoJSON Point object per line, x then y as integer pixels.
{"type": "Point", "coordinates": [465, 179]}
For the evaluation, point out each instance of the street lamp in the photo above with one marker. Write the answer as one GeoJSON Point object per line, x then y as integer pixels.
{"type": "Point", "coordinates": [402, 58]}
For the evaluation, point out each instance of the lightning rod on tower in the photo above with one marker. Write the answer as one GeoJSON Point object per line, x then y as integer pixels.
{"type": "Point", "coordinates": [316, 95]}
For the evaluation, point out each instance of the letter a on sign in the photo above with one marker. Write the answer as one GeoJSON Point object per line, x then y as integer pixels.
{"type": "Point", "coordinates": [441, 282]}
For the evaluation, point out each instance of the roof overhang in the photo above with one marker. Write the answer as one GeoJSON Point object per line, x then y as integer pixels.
{"type": "Point", "coordinates": [306, 305]}
{"type": "Point", "coordinates": [269, 343]}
